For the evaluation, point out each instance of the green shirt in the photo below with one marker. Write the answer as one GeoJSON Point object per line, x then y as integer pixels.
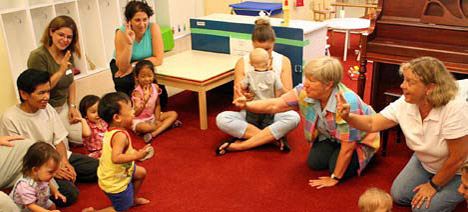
{"type": "Point", "coordinates": [41, 59]}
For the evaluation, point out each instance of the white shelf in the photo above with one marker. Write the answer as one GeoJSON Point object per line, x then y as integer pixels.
{"type": "Point", "coordinates": [57, 2]}
{"type": "Point", "coordinates": [91, 72]}
{"type": "Point", "coordinates": [19, 39]}
{"type": "Point", "coordinates": [41, 17]}
{"type": "Point", "coordinates": [33, 4]}
{"type": "Point", "coordinates": [11, 10]}
{"type": "Point", "coordinates": [22, 23]}
{"type": "Point", "coordinates": [32, 7]}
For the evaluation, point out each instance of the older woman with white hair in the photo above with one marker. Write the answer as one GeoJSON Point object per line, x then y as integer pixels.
{"type": "Point", "coordinates": [433, 119]}
{"type": "Point", "coordinates": [336, 146]}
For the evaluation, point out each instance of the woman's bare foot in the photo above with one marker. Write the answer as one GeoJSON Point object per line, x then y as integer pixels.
{"type": "Point", "coordinates": [90, 209]}
{"type": "Point", "coordinates": [140, 201]}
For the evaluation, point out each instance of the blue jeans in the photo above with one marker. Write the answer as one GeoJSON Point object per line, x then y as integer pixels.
{"type": "Point", "coordinates": [413, 175]}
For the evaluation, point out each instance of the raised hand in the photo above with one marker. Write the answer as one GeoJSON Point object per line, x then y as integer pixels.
{"type": "Point", "coordinates": [65, 63]}
{"type": "Point", "coordinates": [129, 34]}
{"type": "Point", "coordinates": [6, 140]}
{"type": "Point", "coordinates": [342, 107]}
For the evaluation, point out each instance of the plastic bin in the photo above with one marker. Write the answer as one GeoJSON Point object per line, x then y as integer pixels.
{"type": "Point", "coordinates": [168, 38]}
{"type": "Point", "coordinates": [252, 8]}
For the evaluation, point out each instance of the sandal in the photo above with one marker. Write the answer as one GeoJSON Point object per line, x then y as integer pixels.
{"type": "Point", "coordinates": [229, 142]}
{"type": "Point", "coordinates": [286, 147]}
{"type": "Point", "coordinates": [176, 124]}
{"type": "Point", "coordinates": [149, 155]}
{"type": "Point", "coordinates": [148, 137]}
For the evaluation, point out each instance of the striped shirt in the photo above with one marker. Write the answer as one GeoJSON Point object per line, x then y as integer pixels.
{"type": "Point", "coordinates": [337, 128]}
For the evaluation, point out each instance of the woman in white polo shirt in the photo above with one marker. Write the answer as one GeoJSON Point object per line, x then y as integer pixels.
{"type": "Point", "coordinates": [434, 122]}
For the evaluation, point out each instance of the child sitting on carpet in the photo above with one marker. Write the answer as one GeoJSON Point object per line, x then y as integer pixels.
{"type": "Point", "coordinates": [149, 120]}
{"type": "Point", "coordinates": [375, 200]}
{"type": "Point", "coordinates": [32, 191]}
{"type": "Point", "coordinates": [118, 176]}
{"type": "Point", "coordinates": [93, 126]}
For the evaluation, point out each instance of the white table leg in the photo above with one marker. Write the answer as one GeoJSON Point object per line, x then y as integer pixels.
{"type": "Point", "coordinates": [346, 45]}
{"type": "Point", "coordinates": [202, 109]}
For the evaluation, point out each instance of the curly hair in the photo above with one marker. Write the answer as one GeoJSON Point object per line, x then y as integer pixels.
{"type": "Point", "coordinates": [432, 71]}
{"type": "Point", "coordinates": [137, 6]}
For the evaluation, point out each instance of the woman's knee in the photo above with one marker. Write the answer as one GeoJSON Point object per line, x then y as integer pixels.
{"type": "Point", "coordinates": [224, 120]}
{"type": "Point", "coordinates": [399, 193]}
{"type": "Point", "coordinates": [315, 163]}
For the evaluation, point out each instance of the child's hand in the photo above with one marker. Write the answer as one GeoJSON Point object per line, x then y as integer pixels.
{"type": "Point", "coordinates": [241, 101]}
{"type": "Point", "coordinates": [58, 195]}
{"type": "Point", "coordinates": [147, 93]}
{"type": "Point", "coordinates": [143, 152]}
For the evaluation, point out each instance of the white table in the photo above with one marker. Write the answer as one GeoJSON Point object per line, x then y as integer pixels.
{"type": "Point", "coordinates": [347, 24]}
{"type": "Point", "coordinates": [197, 71]}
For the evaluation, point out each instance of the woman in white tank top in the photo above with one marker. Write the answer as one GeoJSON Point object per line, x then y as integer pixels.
{"type": "Point", "coordinates": [235, 124]}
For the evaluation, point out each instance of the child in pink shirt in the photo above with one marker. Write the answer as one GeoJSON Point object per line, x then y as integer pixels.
{"type": "Point", "coordinates": [93, 126]}
{"type": "Point", "coordinates": [149, 120]}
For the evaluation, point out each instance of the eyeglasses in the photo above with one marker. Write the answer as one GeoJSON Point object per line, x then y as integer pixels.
{"type": "Point", "coordinates": [63, 36]}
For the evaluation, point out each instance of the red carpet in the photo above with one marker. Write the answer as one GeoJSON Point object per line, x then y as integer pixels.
{"type": "Point", "coordinates": [185, 174]}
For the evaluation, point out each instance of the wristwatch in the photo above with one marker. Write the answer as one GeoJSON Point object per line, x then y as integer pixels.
{"type": "Point", "coordinates": [435, 186]}
{"type": "Point", "coordinates": [73, 105]}
{"type": "Point", "coordinates": [335, 177]}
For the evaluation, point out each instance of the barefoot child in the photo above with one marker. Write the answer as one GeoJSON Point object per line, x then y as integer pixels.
{"type": "Point", "coordinates": [375, 200]}
{"type": "Point", "coordinates": [118, 176]}
{"type": "Point", "coordinates": [93, 126]}
{"type": "Point", "coordinates": [32, 191]}
{"type": "Point", "coordinates": [149, 120]}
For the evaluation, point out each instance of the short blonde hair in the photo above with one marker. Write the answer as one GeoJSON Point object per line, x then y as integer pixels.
{"type": "Point", "coordinates": [431, 70]}
{"type": "Point", "coordinates": [325, 70]}
{"type": "Point", "coordinates": [373, 199]}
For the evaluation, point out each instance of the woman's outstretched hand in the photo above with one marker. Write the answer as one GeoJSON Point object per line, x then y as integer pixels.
{"type": "Point", "coordinates": [243, 92]}
{"type": "Point", "coordinates": [342, 107]}
{"type": "Point", "coordinates": [240, 101]}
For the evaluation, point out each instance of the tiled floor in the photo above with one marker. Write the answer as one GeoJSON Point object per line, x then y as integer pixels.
{"type": "Point", "coordinates": [101, 83]}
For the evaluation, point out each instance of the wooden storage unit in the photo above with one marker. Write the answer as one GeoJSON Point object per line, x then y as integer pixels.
{"type": "Point", "coordinates": [22, 23]}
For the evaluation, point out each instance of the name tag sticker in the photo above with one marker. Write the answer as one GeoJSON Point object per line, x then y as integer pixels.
{"type": "Point", "coordinates": [68, 72]}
